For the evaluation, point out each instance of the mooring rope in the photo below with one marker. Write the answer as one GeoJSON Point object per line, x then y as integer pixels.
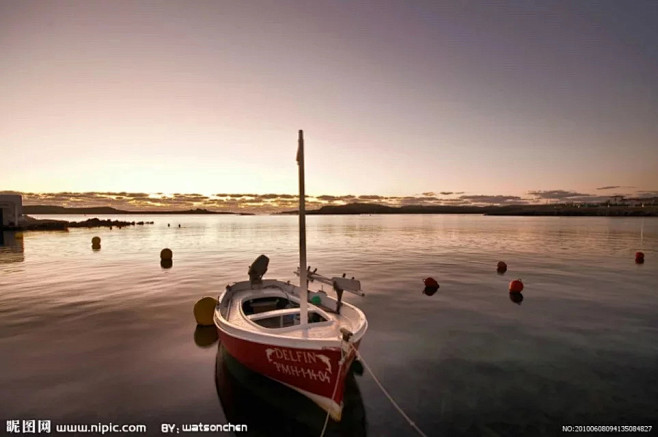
{"type": "Point", "coordinates": [326, 419]}
{"type": "Point", "coordinates": [390, 398]}
{"type": "Point", "coordinates": [381, 387]}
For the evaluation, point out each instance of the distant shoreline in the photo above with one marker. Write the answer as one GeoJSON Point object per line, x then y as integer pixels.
{"type": "Point", "coordinates": [511, 210]}
{"type": "Point", "coordinates": [33, 224]}
{"type": "Point", "coordinates": [650, 210]}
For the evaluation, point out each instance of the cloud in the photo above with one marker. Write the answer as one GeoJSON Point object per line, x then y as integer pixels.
{"type": "Point", "coordinates": [612, 187]}
{"type": "Point", "coordinates": [497, 199]}
{"type": "Point", "coordinates": [413, 200]}
{"type": "Point", "coordinates": [645, 194]}
{"type": "Point", "coordinates": [328, 198]}
{"type": "Point", "coordinates": [456, 202]}
{"type": "Point", "coordinates": [558, 194]}
{"type": "Point", "coordinates": [237, 196]}
{"type": "Point", "coordinates": [589, 199]}
{"type": "Point", "coordinates": [135, 195]}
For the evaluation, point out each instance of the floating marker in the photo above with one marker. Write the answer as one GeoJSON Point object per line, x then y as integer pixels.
{"type": "Point", "coordinates": [96, 243]}
{"type": "Point", "coordinates": [501, 267]}
{"type": "Point", "coordinates": [431, 286]}
{"type": "Point", "coordinates": [639, 257]}
{"type": "Point", "coordinates": [431, 282]}
{"type": "Point", "coordinates": [166, 263]}
{"type": "Point", "coordinates": [516, 286]}
{"type": "Point", "coordinates": [166, 254]}
{"type": "Point", "coordinates": [204, 311]}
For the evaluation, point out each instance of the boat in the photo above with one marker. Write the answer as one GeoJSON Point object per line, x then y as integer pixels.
{"type": "Point", "coordinates": [304, 339]}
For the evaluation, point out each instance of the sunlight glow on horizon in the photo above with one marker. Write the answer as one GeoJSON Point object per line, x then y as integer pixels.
{"type": "Point", "coordinates": [272, 202]}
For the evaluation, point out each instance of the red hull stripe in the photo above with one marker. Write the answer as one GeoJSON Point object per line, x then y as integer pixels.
{"type": "Point", "coordinates": [314, 371]}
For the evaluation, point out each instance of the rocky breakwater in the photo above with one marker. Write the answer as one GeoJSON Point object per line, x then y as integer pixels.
{"type": "Point", "coordinates": [31, 224]}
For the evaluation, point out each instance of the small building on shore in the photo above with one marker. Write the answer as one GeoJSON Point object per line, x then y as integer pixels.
{"type": "Point", "coordinates": [11, 209]}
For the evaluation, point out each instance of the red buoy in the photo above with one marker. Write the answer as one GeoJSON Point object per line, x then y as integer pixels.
{"type": "Point", "coordinates": [516, 286]}
{"type": "Point", "coordinates": [431, 282]}
{"type": "Point", "coordinates": [639, 257]}
{"type": "Point", "coordinates": [501, 267]}
{"type": "Point", "coordinates": [431, 286]}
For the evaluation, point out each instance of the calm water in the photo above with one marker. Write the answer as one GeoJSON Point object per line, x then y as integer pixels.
{"type": "Point", "coordinates": [108, 336]}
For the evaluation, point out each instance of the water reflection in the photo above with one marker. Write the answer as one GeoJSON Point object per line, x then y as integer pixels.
{"type": "Point", "coordinates": [205, 336]}
{"type": "Point", "coordinates": [516, 297]}
{"type": "Point", "coordinates": [272, 409]}
{"type": "Point", "coordinates": [166, 263]}
{"type": "Point", "coordinates": [11, 247]}
{"type": "Point", "coordinates": [429, 291]}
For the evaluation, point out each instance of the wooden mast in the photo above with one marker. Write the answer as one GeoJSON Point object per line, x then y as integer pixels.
{"type": "Point", "coordinates": [303, 296]}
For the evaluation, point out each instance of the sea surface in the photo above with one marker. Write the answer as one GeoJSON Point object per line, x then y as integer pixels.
{"type": "Point", "coordinates": [99, 336]}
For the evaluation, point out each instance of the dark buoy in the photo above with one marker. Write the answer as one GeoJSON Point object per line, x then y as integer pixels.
{"type": "Point", "coordinates": [639, 257]}
{"type": "Point", "coordinates": [96, 243]}
{"type": "Point", "coordinates": [168, 225]}
{"type": "Point", "coordinates": [166, 254]}
{"type": "Point", "coordinates": [516, 286]}
{"type": "Point", "coordinates": [431, 286]}
{"type": "Point", "coordinates": [516, 297]}
{"type": "Point", "coordinates": [501, 267]}
{"type": "Point", "coordinates": [179, 226]}
{"type": "Point", "coordinates": [166, 263]}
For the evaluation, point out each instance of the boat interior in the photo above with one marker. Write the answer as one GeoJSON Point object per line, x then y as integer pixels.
{"type": "Point", "coordinates": [276, 312]}
{"type": "Point", "coordinates": [273, 308]}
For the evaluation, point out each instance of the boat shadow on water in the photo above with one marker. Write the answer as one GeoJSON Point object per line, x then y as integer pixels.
{"type": "Point", "coordinates": [269, 408]}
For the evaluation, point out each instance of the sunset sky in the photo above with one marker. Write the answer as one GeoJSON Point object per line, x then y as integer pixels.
{"type": "Point", "coordinates": [526, 100]}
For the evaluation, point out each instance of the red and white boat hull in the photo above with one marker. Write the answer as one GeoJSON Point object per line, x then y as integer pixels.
{"type": "Point", "coordinates": [259, 327]}
{"type": "Point", "coordinates": [319, 374]}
